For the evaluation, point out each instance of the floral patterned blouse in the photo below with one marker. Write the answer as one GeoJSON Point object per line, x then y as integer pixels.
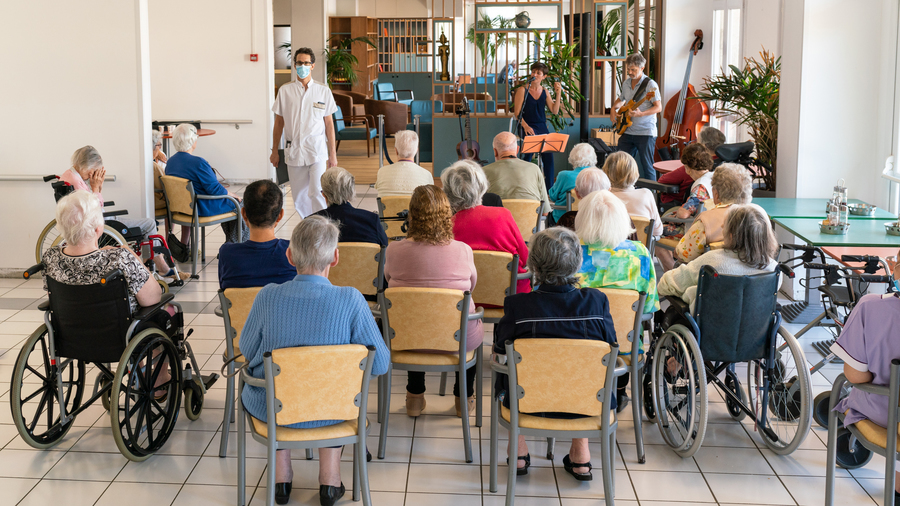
{"type": "Point", "coordinates": [627, 266]}
{"type": "Point", "coordinates": [88, 269]}
{"type": "Point", "coordinates": [694, 242]}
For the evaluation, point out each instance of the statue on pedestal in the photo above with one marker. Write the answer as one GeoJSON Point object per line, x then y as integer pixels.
{"type": "Point", "coordinates": [444, 55]}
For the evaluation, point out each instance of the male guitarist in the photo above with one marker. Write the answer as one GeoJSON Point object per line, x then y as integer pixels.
{"type": "Point", "coordinates": [639, 140]}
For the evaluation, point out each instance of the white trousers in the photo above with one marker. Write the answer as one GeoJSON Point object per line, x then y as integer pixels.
{"type": "Point", "coordinates": [306, 187]}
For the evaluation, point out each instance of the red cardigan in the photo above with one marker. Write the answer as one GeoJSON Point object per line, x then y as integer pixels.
{"type": "Point", "coordinates": [492, 229]}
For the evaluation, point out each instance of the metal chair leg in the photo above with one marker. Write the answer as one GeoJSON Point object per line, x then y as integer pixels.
{"type": "Point", "coordinates": [479, 364]}
{"type": "Point", "coordinates": [467, 434]}
{"type": "Point", "coordinates": [513, 457]}
{"type": "Point", "coordinates": [229, 412]}
{"type": "Point", "coordinates": [495, 423]}
{"type": "Point", "coordinates": [443, 389]}
{"type": "Point", "coordinates": [382, 438]}
{"type": "Point", "coordinates": [636, 404]}
{"type": "Point", "coordinates": [309, 454]}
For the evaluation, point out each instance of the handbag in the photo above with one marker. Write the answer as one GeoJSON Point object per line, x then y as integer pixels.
{"type": "Point", "coordinates": [180, 251]}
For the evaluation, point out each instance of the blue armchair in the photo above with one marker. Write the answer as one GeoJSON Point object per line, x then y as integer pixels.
{"type": "Point", "coordinates": [424, 109]}
{"type": "Point", "coordinates": [365, 132]}
{"type": "Point", "coordinates": [386, 91]}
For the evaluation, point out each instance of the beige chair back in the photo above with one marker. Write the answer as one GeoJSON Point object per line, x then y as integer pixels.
{"type": "Point", "coordinates": [236, 303]}
{"type": "Point", "coordinates": [641, 225]}
{"type": "Point", "coordinates": [319, 382]}
{"type": "Point", "coordinates": [179, 194]}
{"type": "Point", "coordinates": [494, 269]}
{"type": "Point", "coordinates": [527, 215]}
{"type": "Point", "coordinates": [389, 207]}
{"type": "Point", "coordinates": [359, 266]}
{"type": "Point", "coordinates": [424, 318]}
{"type": "Point", "coordinates": [575, 199]}
{"type": "Point", "coordinates": [545, 375]}
{"type": "Point", "coordinates": [622, 307]}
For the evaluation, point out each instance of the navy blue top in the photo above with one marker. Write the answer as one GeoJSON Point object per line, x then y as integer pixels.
{"type": "Point", "coordinates": [357, 225]}
{"type": "Point", "coordinates": [251, 263]}
{"type": "Point", "coordinates": [199, 172]}
{"type": "Point", "coordinates": [535, 114]}
{"type": "Point", "coordinates": [552, 311]}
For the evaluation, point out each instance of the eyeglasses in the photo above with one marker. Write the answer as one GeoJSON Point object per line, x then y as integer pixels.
{"type": "Point", "coordinates": [304, 63]}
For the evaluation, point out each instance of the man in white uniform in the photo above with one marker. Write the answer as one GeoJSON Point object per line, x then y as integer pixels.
{"type": "Point", "coordinates": [303, 110]}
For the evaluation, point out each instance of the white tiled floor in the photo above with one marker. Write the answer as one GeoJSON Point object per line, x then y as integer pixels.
{"type": "Point", "coordinates": [424, 464]}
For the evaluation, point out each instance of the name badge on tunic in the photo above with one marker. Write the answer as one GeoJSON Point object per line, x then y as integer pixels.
{"type": "Point", "coordinates": [319, 105]}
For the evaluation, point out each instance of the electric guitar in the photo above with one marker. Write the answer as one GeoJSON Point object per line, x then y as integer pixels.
{"type": "Point", "coordinates": [623, 115]}
{"type": "Point", "coordinates": [467, 149]}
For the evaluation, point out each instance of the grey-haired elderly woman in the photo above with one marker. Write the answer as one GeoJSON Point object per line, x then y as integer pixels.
{"type": "Point", "coordinates": [732, 185]}
{"type": "Point", "coordinates": [357, 225]}
{"type": "Point", "coordinates": [481, 227]}
{"type": "Point", "coordinates": [588, 181]}
{"type": "Point", "coordinates": [581, 157]}
{"type": "Point", "coordinates": [198, 171]}
{"type": "Point", "coordinates": [555, 309]}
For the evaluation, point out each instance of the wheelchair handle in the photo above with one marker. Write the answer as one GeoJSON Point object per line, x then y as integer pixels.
{"type": "Point", "coordinates": [818, 266]}
{"type": "Point", "coordinates": [34, 269]}
{"type": "Point", "coordinates": [109, 276]}
{"type": "Point", "coordinates": [859, 258]}
{"type": "Point", "coordinates": [876, 278]}
{"type": "Point", "coordinates": [786, 269]}
{"type": "Point", "coordinates": [49, 178]}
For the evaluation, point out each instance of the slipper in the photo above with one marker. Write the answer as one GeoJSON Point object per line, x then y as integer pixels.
{"type": "Point", "coordinates": [522, 471]}
{"type": "Point", "coordinates": [570, 468]}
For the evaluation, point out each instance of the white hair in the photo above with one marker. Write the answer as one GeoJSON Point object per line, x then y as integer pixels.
{"type": "Point", "coordinates": [313, 242]}
{"type": "Point", "coordinates": [338, 185]}
{"type": "Point", "coordinates": [583, 155]}
{"type": "Point", "coordinates": [465, 184]}
{"type": "Point", "coordinates": [590, 180]}
{"type": "Point", "coordinates": [184, 137]}
{"type": "Point", "coordinates": [406, 142]}
{"type": "Point", "coordinates": [86, 158]}
{"type": "Point", "coordinates": [505, 142]}
{"type": "Point", "coordinates": [602, 220]}
{"type": "Point", "coordinates": [78, 215]}
{"type": "Point", "coordinates": [157, 137]}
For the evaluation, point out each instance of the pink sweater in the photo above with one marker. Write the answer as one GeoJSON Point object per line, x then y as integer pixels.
{"type": "Point", "coordinates": [74, 178]}
{"type": "Point", "coordinates": [416, 264]}
{"type": "Point", "coordinates": [640, 202]}
{"type": "Point", "coordinates": [492, 229]}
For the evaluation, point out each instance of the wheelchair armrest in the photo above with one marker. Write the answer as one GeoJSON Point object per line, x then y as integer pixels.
{"type": "Point", "coordinates": [109, 203]}
{"type": "Point", "coordinates": [657, 186]}
{"type": "Point", "coordinates": [146, 312]}
{"type": "Point", "coordinates": [683, 307]}
{"type": "Point", "coordinates": [234, 201]}
{"type": "Point", "coordinates": [111, 214]}
{"type": "Point", "coordinates": [44, 306]}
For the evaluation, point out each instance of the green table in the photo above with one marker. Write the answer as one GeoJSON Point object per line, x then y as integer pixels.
{"type": "Point", "coordinates": [864, 233]}
{"type": "Point", "coordinates": [812, 208]}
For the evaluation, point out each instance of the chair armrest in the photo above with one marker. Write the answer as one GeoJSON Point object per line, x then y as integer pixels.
{"type": "Point", "coordinates": [871, 389]}
{"type": "Point", "coordinates": [250, 380]}
{"type": "Point", "coordinates": [234, 201]}
{"type": "Point", "coordinates": [146, 312]}
{"type": "Point", "coordinates": [218, 311]}
{"type": "Point", "coordinates": [524, 275]}
{"type": "Point", "coordinates": [110, 214]}
{"type": "Point", "coordinates": [621, 368]}
{"type": "Point", "coordinates": [368, 118]}
{"type": "Point", "coordinates": [412, 96]}
{"type": "Point", "coordinates": [558, 207]}
{"type": "Point", "coordinates": [44, 306]}
{"type": "Point", "coordinates": [685, 221]}
{"type": "Point", "coordinates": [657, 186]}
{"type": "Point", "coordinates": [477, 315]}
{"type": "Point", "coordinates": [497, 366]}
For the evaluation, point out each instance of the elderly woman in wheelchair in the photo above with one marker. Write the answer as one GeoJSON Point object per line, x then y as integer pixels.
{"type": "Point", "coordinates": [103, 307]}
{"type": "Point", "coordinates": [723, 311]}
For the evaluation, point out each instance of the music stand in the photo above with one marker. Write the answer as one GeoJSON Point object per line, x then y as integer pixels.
{"type": "Point", "coordinates": [546, 143]}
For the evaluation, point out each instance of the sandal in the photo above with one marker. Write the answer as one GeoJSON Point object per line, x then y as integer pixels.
{"type": "Point", "coordinates": [522, 471]}
{"type": "Point", "coordinates": [570, 468]}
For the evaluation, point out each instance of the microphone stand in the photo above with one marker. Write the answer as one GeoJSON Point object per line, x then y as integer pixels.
{"type": "Point", "coordinates": [522, 110]}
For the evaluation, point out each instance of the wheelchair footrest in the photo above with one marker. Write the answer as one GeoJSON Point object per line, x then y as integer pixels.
{"type": "Point", "coordinates": [209, 380]}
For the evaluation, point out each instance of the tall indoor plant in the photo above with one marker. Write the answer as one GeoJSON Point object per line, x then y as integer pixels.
{"type": "Point", "coordinates": [340, 61]}
{"type": "Point", "coordinates": [751, 97]}
{"type": "Point", "coordinates": [488, 43]}
{"type": "Point", "coordinates": [564, 62]}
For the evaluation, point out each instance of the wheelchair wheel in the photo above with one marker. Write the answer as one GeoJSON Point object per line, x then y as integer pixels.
{"type": "Point", "coordinates": [34, 395]}
{"type": "Point", "coordinates": [734, 385]}
{"type": "Point", "coordinates": [851, 457]}
{"type": "Point", "coordinates": [50, 237]}
{"type": "Point", "coordinates": [788, 411]}
{"type": "Point", "coordinates": [193, 399]}
{"type": "Point", "coordinates": [143, 413]}
{"type": "Point", "coordinates": [820, 405]}
{"type": "Point", "coordinates": [647, 396]}
{"type": "Point", "coordinates": [106, 397]}
{"type": "Point", "coordinates": [679, 390]}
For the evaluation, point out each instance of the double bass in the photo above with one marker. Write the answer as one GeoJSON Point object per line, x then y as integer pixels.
{"type": "Point", "coordinates": [685, 115]}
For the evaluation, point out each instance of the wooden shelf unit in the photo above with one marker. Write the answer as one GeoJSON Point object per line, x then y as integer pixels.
{"type": "Point", "coordinates": [347, 27]}
{"type": "Point", "coordinates": [404, 44]}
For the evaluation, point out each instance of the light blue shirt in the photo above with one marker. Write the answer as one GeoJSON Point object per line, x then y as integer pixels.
{"type": "Point", "coordinates": [565, 182]}
{"type": "Point", "coordinates": [645, 125]}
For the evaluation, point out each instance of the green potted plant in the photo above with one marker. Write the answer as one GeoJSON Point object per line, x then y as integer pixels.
{"type": "Point", "coordinates": [488, 43]}
{"type": "Point", "coordinates": [564, 62]}
{"type": "Point", "coordinates": [750, 96]}
{"type": "Point", "coordinates": [340, 61]}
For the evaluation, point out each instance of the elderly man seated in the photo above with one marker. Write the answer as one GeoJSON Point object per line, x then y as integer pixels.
{"type": "Point", "coordinates": [261, 259]}
{"type": "Point", "coordinates": [357, 225]}
{"type": "Point", "coordinates": [512, 178]}
{"type": "Point", "coordinates": [308, 311]}
{"type": "Point", "coordinates": [403, 176]}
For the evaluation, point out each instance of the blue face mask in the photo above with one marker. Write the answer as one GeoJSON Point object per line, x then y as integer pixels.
{"type": "Point", "coordinates": [303, 71]}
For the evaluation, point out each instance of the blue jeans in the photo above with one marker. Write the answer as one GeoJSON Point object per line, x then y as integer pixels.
{"type": "Point", "coordinates": [640, 147]}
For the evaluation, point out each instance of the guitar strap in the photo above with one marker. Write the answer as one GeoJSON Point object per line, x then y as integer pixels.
{"type": "Point", "coordinates": [640, 89]}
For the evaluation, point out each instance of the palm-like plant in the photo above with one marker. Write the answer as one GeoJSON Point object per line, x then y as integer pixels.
{"type": "Point", "coordinates": [340, 61]}
{"type": "Point", "coordinates": [751, 97]}
{"type": "Point", "coordinates": [564, 62]}
{"type": "Point", "coordinates": [488, 43]}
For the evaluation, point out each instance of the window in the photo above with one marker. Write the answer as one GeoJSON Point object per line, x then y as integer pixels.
{"type": "Point", "coordinates": [726, 50]}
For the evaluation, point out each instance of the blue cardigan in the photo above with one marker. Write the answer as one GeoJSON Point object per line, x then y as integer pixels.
{"type": "Point", "coordinates": [198, 170]}
{"type": "Point", "coordinates": [307, 311]}
{"type": "Point", "coordinates": [558, 193]}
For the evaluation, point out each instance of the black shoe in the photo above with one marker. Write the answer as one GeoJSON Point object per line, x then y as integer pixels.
{"type": "Point", "coordinates": [368, 456]}
{"type": "Point", "coordinates": [522, 471]}
{"type": "Point", "coordinates": [329, 495]}
{"type": "Point", "coordinates": [621, 402]}
{"type": "Point", "coordinates": [896, 498]}
{"type": "Point", "coordinates": [282, 493]}
{"type": "Point", "coordinates": [570, 466]}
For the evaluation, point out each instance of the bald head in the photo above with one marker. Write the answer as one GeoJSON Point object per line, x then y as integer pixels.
{"type": "Point", "coordinates": [505, 143]}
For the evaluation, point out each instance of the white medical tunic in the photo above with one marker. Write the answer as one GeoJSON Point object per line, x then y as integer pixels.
{"type": "Point", "coordinates": [304, 111]}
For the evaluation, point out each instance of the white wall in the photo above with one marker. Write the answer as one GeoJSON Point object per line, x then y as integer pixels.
{"type": "Point", "coordinates": [682, 18]}
{"type": "Point", "coordinates": [761, 26]}
{"type": "Point", "coordinates": [201, 70]}
{"type": "Point", "coordinates": [96, 93]}
{"type": "Point", "coordinates": [309, 28]}
{"type": "Point", "coordinates": [281, 12]}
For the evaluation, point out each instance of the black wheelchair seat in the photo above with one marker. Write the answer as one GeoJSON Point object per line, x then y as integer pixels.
{"type": "Point", "coordinates": [734, 152]}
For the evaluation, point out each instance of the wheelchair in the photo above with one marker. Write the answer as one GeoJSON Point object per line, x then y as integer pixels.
{"type": "Point", "coordinates": [92, 325]}
{"type": "Point", "coordinates": [736, 320]}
